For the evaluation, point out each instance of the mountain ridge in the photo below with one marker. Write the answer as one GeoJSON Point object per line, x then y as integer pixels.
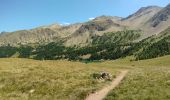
{"type": "Point", "coordinates": [81, 34]}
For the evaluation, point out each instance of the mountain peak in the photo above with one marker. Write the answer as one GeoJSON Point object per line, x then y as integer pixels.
{"type": "Point", "coordinates": [107, 17]}
{"type": "Point", "coordinates": [143, 11]}
{"type": "Point", "coordinates": [104, 18]}
{"type": "Point", "coordinates": [149, 7]}
{"type": "Point", "coordinates": [52, 26]}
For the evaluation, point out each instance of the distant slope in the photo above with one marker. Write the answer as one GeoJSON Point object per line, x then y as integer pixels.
{"type": "Point", "coordinates": [150, 20]}
{"type": "Point", "coordinates": [161, 16]}
{"type": "Point", "coordinates": [112, 45]}
{"type": "Point", "coordinates": [120, 37]}
{"type": "Point", "coordinates": [154, 46]}
{"type": "Point", "coordinates": [140, 17]}
{"type": "Point", "coordinates": [158, 22]}
{"type": "Point", "coordinates": [97, 27]}
{"type": "Point", "coordinates": [40, 35]}
{"type": "Point", "coordinates": [28, 36]}
{"type": "Point", "coordinates": [75, 34]}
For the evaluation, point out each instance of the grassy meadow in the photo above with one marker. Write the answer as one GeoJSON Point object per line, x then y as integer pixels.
{"type": "Point", "coordinates": [26, 79]}
{"type": "Point", "coordinates": [148, 80]}
{"type": "Point", "coordinates": [23, 79]}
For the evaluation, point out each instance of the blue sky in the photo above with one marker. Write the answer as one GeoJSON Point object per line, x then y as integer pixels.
{"type": "Point", "coordinates": [27, 14]}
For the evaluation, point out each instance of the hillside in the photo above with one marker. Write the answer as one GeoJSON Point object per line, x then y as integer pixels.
{"type": "Point", "coordinates": [139, 18]}
{"type": "Point", "coordinates": [158, 23]}
{"type": "Point", "coordinates": [109, 46]}
{"type": "Point", "coordinates": [103, 38]}
{"type": "Point", "coordinates": [151, 20]}
{"type": "Point", "coordinates": [154, 46]}
{"type": "Point", "coordinates": [97, 27]}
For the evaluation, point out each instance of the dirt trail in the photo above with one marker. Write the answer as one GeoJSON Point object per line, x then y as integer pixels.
{"type": "Point", "coordinates": [101, 94]}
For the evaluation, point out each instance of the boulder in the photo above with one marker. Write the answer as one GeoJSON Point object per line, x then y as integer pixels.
{"type": "Point", "coordinates": [102, 75]}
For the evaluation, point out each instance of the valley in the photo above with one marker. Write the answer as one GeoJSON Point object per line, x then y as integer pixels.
{"type": "Point", "coordinates": [104, 58]}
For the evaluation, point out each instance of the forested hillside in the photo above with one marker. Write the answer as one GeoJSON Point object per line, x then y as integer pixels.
{"type": "Point", "coordinates": [112, 45]}
{"type": "Point", "coordinates": [154, 46]}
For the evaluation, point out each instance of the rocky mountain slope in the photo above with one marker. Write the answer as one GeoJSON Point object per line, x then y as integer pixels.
{"type": "Point", "coordinates": [140, 17]}
{"type": "Point", "coordinates": [150, 20]}
{"type": "Point", "coordinates": [97, 27]}
{"type": "Point", "coordinates": [159, 22]}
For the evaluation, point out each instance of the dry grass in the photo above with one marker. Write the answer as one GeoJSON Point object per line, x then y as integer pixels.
{"type": "Point", "coordinates": [23, 79]}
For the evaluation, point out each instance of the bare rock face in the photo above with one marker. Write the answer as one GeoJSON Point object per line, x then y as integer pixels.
{"type": "Point", "coordinates": [163, 15]}
{"type": "Point", "coordinates": [139, 18]}
{"type": "Point", "coordinates": [100, 25]}
{"type": "Point", "coordinates": [143, 11]}
{"type": "Point", "coordinates": [95, 26]}
{"type": "Point", "coordinates": [158, 23]}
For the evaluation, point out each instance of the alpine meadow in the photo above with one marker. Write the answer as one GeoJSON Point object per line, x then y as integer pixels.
{"type": "Point", "coordinates": [104, 58]}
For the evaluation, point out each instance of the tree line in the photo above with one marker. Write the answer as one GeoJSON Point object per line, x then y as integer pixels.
{"type": "Point", "coordinates": [100, 50]}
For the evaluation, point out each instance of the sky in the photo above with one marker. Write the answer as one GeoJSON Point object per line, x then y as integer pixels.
{"type": "Point", "coordinates": [27, 14]}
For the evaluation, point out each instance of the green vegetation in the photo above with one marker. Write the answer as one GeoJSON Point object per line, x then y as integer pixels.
{"type": "Point", "coordinates": [109, 46]}
{"type": "Point", "coordinates": [154, 46]}
{"type": "Point", "coordinates": [157, 49]}
{"type": "Point", "coordinates": [50, 51]}
{"type": "Point", "coordinates": [147, 80]}
{"type": "Point", "coordinates": [98, 50]}
{"type": "Point", "coordinates": [7, 51]}
{"type": "Point", "coordinates": [25, 51]}
{"type": "Point", "coordinates": [120, 37]}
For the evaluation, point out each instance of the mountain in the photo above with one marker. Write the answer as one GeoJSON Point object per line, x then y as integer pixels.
{"type": "Point", "coordinates": [161, 16]}
{"type": "Point", "coordinates": [140, 17]}
{"type": "Point", "coordinates": [159, 22]}
{"type": "Point", "coordinates": [98, 26]}
{"type": "Point", "coordinates": [28, 36]}
{"type": "Point", "coordinates": [149, 20]}
{"type": "Point", "coordinates": [75, 34]}
{"type": "Point", "coordinates": [154, 46]}
{"type": "Point", "coordinates": [109, 46]}
{"type": "Point", "coordinates": [40, 35]}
